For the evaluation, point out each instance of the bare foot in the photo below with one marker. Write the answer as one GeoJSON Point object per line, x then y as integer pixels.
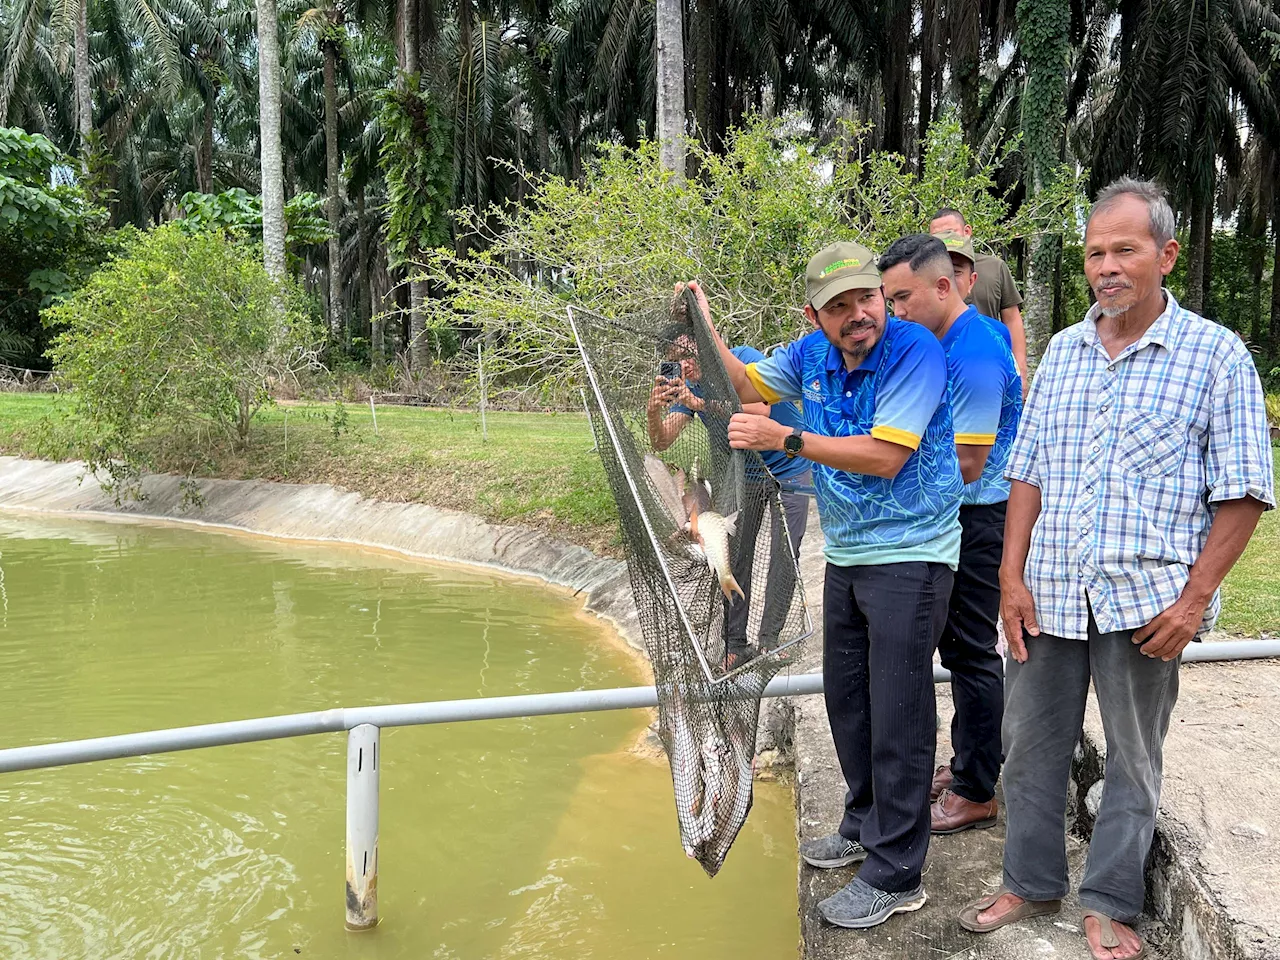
{"type": "Point", "coordinates": [998, 909]}
{"type": "Point", "coordinates": [1130, 942]}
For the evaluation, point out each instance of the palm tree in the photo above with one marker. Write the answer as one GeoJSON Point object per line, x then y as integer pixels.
{"type": "Point", "coordinates": [1183, 120]}
{"type": "Point", "coordinates": [269, 96]}
{"type": "Point", "coordinates": [669, 56]}
{"type": "Point", "coordinates": [1046, 24]}
{"type": "Point", "coordinates": [325, 25]}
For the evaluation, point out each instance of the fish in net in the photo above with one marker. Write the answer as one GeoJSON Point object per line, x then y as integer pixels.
{"type": "Point", "coordinates": [716, 586]}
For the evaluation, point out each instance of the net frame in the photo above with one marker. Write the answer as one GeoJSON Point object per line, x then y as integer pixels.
{"type": "Point", "coordinates": [708, 707]}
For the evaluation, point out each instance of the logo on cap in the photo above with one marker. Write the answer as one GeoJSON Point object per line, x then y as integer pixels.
{"type": "Point", "coordinates": [953, 242]}
{"type": "Point", "coordinates": [839, 265]}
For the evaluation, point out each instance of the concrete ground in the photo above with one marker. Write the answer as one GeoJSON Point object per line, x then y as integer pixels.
{"type": "Point", "coordinates": [1214, 883]}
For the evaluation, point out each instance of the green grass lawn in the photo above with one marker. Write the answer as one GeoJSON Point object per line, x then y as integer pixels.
{"type": "Point", "coordinates": [537, 469]}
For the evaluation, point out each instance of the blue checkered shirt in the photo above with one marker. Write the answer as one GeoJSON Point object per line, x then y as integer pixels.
{"type": "Point", "coordinates": [1131, 456]}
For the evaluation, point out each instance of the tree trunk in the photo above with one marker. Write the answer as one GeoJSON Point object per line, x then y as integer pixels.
{"type": "Point", "coordinates": [411, 36]}
{"type": "Point", "coordinates": [704, 67]}
{"type": "Point", "coordinates": [1274, 343]}
{"type": "Point", "coordinates": [333, 185]}
{"type": "Point", "coordinates": [930, 36]}
{"type": "Point", "coordinates": [1207, 241]}
{"type": "Point", "coordinates": [1043, 106]}
{"type": "Point", "coordinates": [542, 133]}
{"type": "Point", "coordinates": [379, 304]}
{"type": "Point", "coordinates": [364, 299]}
{"type": "Point", "coordinates": [1195, 255]}
{"type": "Point", "coordinates": [204, 151]}
{"type": "Point", "coordinates": [1130, 14]}
{"type": "Point", "coordinates": [273, 226]}
{"type": "Point", "coordinates": [84, 96]}
{"type": "Point", "coordinates": [897, 71]}
{"type": "Point", "coordinates": [965, 20]}
{"type": "Point", "coordinates": [1257, 264]}
{"type": "Point", "coordinates": [669, 40]}
{"type": "Point", "coordinates": [418, 354]}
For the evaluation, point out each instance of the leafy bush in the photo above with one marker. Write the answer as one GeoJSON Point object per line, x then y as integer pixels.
{"type": "Point", "coordinates": [51, 238]}
{"type": "Point", "coordinates": [181, 331]}
{"type": "Point", "coordinates": [239, 212]}
{"type": "Point", "coordinates": [744, 227]}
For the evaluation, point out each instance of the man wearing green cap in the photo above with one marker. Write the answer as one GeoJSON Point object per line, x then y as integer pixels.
{"type": "Point", "coordinates": [877, 429]}
{"type": "Point", "coordinates": [991, 289]}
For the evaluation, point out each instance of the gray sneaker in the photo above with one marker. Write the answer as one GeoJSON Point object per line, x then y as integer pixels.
{"type": "Point", "coordinates": [831, 852]}
{"type": "Point", "coordinates": [860, 905]}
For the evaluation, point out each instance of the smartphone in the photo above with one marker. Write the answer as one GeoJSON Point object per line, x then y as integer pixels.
{"type": "Point", "coordinates": [669, 370]}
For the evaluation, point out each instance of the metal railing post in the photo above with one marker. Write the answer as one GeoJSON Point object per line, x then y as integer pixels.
{"type": "Point", "coordinates": [363, 742]}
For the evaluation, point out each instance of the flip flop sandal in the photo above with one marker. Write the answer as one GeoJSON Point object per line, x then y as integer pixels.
{"type": "Point", "coordinates": [1028, 908]}
{"type": "Point", "coordinates": [1107, 938]}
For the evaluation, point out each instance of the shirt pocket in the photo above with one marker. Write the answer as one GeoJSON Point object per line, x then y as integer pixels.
{"type": "Point", "coordinates": [1153, 444]}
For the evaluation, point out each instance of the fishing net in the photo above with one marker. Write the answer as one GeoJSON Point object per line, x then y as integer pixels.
{"type": "Point", "coordinates": [716, 584]}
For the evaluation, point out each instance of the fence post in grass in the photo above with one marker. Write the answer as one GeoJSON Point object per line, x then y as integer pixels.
{"type": "Point", "coordinates": [363, 742]}
{"type": "Point", "coordinates": [374, 412]}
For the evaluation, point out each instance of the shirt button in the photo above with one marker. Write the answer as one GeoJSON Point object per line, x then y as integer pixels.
{"type": "Point", "coordinates": [1104, 408]}
{"type": "Point", "coordinates": [1111, 368]}
{"type": "Point", "coordinates": [848, 393]}
{"type": "Point", "coordinates": [1096, 448]}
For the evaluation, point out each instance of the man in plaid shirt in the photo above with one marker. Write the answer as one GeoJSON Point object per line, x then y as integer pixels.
{"type": "Point", "coordinates": [1140, 470]}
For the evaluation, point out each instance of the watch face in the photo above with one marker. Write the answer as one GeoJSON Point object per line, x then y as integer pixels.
{"type": "Point", "coordinates": [793, 443]}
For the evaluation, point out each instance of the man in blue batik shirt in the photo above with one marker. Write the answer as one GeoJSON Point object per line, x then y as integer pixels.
{"type": "Point", "coordinates": [877, 430]}
{"type": "Point", "coordinates": [985, 390]}
{"type": "Point", "coordinates": [673, 403]}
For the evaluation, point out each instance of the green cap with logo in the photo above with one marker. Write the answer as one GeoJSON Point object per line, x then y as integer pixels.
{"type": "Point", "coordinates": [837, 269]}
{"type": "Point", "coordinates": [958, 243]}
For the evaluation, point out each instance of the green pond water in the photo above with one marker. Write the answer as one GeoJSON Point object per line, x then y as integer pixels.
{"type": "Point", "coordinates": [545, 837]}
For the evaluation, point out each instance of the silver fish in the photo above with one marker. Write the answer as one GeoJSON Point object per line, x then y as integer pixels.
{"type": "Point", "coordinates": [670, 489]}
{"type": "Point", "coordinates": [697, 498]}
{"type": "Point", "coordinates": [696, 781]}
{"type": "Point", "coordinates": [712, 531]}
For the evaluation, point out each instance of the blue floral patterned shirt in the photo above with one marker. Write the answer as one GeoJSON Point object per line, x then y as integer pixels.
{"type": "Point", "coordinates": [898, 393]}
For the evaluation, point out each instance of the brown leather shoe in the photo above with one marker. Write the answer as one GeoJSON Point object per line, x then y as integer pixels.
{"type": "Point", "coordinates": [952, 813]}
{"type": "Point", "coordinates": [942, 778]}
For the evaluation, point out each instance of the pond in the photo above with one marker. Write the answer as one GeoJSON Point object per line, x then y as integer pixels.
{"type": "Point", "coordinates": [549, 837]}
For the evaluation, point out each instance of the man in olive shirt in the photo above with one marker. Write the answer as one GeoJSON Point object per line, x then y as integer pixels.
{"type": "Point", "coordinates": [994, 292]}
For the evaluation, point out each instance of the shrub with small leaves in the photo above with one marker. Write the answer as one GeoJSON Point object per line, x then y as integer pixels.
{"type": "Point", "coordinates": [181, 331]}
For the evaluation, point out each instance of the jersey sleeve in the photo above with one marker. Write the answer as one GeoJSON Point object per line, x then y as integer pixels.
{"type": "Point", "coordinates": [978, 381]}
{"type": "Point", "coordinates": [780, 376]}
{"type": "Point", "coordinates": [914, 383]}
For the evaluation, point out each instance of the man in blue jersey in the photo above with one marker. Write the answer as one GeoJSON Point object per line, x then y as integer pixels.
{"type": "Point", "coordinates": [985, 390]}
{"type": "Point", "coordinates": [877, 431]}
{"type": "Point", "coordinates": [673, 403]}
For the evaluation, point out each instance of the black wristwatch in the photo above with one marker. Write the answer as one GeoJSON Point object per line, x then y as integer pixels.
{"type": "Point", "coordinates": [794, 443]}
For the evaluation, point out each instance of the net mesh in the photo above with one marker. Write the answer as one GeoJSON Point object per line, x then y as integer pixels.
{"type": "Point", "coordinates": [716, 583]}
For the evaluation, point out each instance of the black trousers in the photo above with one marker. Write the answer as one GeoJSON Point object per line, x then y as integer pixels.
{"type": "Point", "coordinates": [782, 570]}
{"type": "Point", "coordinates": [882, 624]}
{"type": "Point", "coordinates": [968, 649]}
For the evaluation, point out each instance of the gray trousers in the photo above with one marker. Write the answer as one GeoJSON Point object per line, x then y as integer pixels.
{"type": "Point", "coordinates": [1043, 716]}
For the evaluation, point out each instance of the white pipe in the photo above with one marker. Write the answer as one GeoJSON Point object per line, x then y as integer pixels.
{"type": "Point", "coordinates": [451, 711]}
{"type": "Point", "coordinates": [363, 746]}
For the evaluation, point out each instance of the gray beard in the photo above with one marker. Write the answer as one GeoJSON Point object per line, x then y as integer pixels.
{"type": "Point", "coordinates": [1112, 312]}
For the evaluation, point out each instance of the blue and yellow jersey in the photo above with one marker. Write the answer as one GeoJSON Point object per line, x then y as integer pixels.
{"type": "Point", "coordinates": [985, 390]}
{"type": "Point", "coordinates": [898, 393]}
